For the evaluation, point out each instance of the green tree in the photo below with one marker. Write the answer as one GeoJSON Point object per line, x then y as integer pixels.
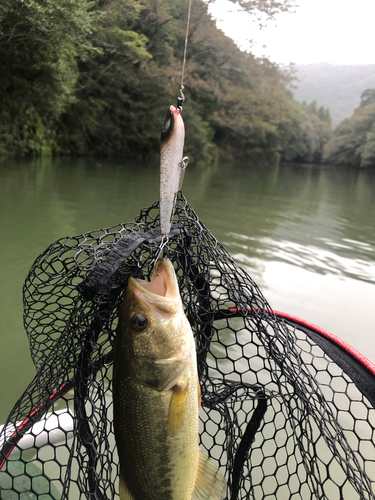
{"type": "Point", "coordinates": [310, 132]}
{"type": "Point", "coordinates": [235, 103]}
{"type": "Point", "coordinates": [368, 152]}
{"type": "Point", "coordinates": [324, 115]}
{"type": "Point", "coordinates": [367, 97]}
{"type": "Point", "coordinates": [110, 91]}
{"type": "Point", "coordinates": [105, 88]}
{"type": "Point", "coordinates": [39, 44]}
{"type": "Point", "coordinates": [353, 141]}
{"type": "Point", "coordinates": [269, 7]}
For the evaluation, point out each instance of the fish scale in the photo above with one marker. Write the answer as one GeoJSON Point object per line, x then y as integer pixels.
{"type": "Point", "coordinates": [156, 466]}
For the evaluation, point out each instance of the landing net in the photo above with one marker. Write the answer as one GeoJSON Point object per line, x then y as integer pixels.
{"type": "Point", "coordinates": [286, 413]}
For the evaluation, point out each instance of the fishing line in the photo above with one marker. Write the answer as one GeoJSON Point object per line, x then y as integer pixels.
{"type": "Point", "coordinates": [181, 99]}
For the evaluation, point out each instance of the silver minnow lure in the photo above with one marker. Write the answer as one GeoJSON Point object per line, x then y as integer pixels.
{"type": "Point", "coordinates": [172, 166]}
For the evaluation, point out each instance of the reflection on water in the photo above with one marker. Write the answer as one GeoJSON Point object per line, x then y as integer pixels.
{"type": "Point", "coordinates": [306, 235]}
{"type": "Point", "coordinates": [331, 257]}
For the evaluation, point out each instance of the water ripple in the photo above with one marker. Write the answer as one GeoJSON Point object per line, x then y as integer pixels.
{"type": "Point", "coordinates": [348, 258]}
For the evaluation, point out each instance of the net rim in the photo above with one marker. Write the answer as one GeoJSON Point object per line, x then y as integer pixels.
{"type": "Point", "coordinates": [365, 362]}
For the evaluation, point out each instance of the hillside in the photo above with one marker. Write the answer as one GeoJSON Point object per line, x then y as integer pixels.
{"type": "Point", "coordinates": [337, 88]}
{"type": "Point", "coordinates": [96, 78]}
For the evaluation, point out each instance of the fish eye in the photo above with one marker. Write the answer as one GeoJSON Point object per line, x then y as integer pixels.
{"type": "Point", "coordinates": [140, 322]}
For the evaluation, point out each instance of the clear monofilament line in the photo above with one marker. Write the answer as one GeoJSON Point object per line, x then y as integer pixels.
{"type": "Point", "coordinates": [185, 49]}
{"type": "Point", "coordinates": [182, 97]}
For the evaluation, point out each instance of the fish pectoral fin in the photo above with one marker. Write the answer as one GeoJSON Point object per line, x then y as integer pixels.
{"type": "Point", "coordinates": [210, 483]}
{"type": "Point", "coordinates": [124, 490]}
{"type": "Point", "coordinates": [177, 407]}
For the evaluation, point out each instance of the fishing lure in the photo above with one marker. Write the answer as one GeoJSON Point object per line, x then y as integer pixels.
{"type": "Point", "coordinates": [172, 165]}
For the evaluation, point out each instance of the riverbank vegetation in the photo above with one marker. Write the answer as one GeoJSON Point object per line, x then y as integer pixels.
{"type": "Point", "coordinates": [97, 77]}
{"type": "Point", "coordinates": [311, 133]}
{"type": "Point", "coordinates": [353, 141]}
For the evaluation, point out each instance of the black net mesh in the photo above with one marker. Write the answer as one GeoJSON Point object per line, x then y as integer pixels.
{"type": "Point", "coordinates": [281, 416]}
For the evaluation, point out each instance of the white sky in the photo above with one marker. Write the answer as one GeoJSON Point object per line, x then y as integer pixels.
{"type": "Point", "coordinates": [332, 31]}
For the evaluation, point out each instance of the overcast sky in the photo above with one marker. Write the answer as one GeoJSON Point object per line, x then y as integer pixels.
{"type": "Point", "coordinates": [333, 31]}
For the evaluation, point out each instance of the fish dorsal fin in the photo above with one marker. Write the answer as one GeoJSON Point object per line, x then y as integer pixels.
{"type": "Point", "coordinates": [124, 490]}
{"type": "Point", "coordinates": [210, 483]}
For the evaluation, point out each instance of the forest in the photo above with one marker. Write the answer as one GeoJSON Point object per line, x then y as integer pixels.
{"type": "Point", "coordinates": [96, 77]}
{"type": "Point", "coordinates": [353, 140]}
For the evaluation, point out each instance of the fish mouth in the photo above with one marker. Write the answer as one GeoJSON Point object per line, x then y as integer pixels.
{"type": "Point", "coordinates": [163, 283]}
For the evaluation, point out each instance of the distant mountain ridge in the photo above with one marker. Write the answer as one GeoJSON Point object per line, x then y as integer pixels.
{"type": "Point", "coordinates": [335, 87]}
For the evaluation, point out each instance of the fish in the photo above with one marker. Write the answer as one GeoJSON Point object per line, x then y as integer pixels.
{"type": "Point", "coordinates": [156, 396]}
{"type": "Point", "coordinates": [172, 166]}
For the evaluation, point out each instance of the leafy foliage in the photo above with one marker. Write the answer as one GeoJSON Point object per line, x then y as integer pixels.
{"type": "Point", "coordinates": [97, 77]}
{"type": "Point", "coordinates": [268, 7]}
{"type": "Point", "coordinates": [353, 141]}
{"type": "Point", "coordinates": [309, 135]}
{"type": "Point", "coordinates": [39, 46]}
{"type": "Point", "coordinates": [237, 105]}
{"type": "Point", "coordinates": [367, 97]}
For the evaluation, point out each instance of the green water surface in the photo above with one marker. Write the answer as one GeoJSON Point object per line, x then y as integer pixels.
{"type": "Point", "coordinates": [305, 234]}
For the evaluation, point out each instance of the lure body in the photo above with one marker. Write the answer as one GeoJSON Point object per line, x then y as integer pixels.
{"type": "Point", "coordinates": [172, 167]}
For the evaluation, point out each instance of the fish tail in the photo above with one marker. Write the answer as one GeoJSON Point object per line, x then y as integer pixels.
{"type": "Point", "coordinates": [210, 483]}
{"type": "Point", "coordinates": [124, 490]}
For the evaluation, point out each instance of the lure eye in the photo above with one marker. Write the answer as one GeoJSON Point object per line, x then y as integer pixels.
{"type": "Point", "coordinates": [168, 125]}
{"type": "Point", "coordinates": [140, 322]}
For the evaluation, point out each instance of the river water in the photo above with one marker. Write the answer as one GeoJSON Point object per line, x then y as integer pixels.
{"type": "Point", "coordinates": [305, 234]}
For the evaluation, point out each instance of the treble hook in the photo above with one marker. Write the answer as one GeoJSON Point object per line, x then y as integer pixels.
{"type": "Point", "coordinates": [163, 242]}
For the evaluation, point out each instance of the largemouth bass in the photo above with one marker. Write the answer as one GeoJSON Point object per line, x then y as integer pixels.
{"type": "Point", "coordinates": [172, 166]}
{"type": "Point", "coordinates": [156, 397]}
